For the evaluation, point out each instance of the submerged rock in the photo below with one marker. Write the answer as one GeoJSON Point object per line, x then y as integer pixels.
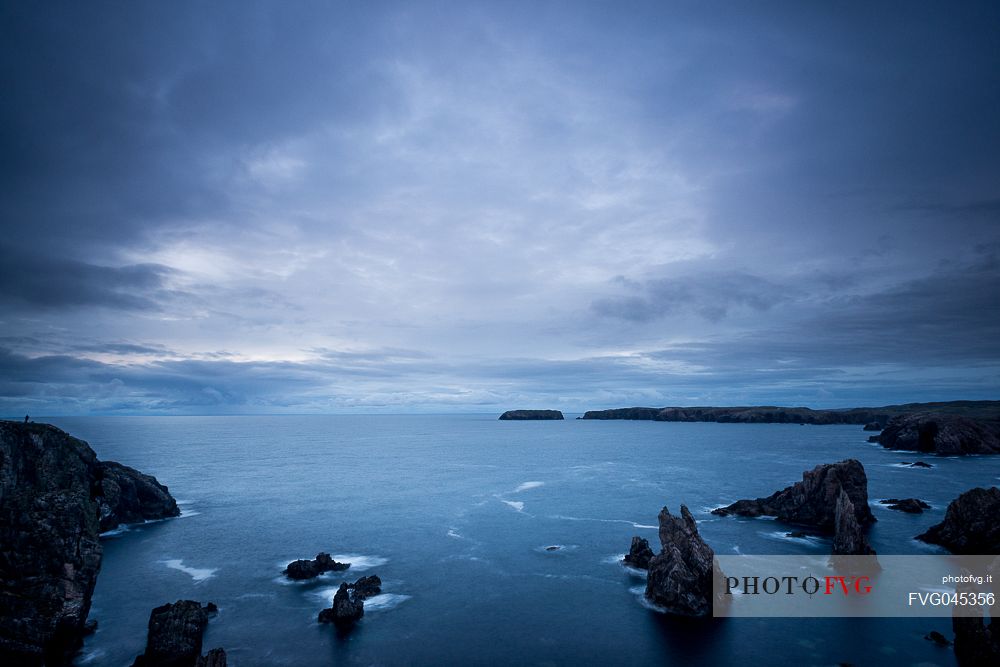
{"type": "Point", "coordinates": [920, 464]}
{"type": "Point", "coordinates": [307, 569]}
{"type": "Point", "coordinates": [129, 496]}
{"type": "Point", "coordinates": [873, 438]}
{"type": "Point", "coordinates": [53, 496]}
{"type": "Point", "coordinates": [813, 501]}
{"type": "Point", "coordinates": [937, 638]}
{"type": "Point", "coordinates": [175, 637]}
{"type": "Point", "coordinates": [518, 415]}
{"type": "Point", "coordinates": [639, 554]}
{"type": "Point", "coordinates": [908, 505]}
{"type": "Point", "coordinates": [681, 575]}
{"type": "Point", "coordinates": [971, 524]}
{"type": "Point", "coordinates": [947, 435]}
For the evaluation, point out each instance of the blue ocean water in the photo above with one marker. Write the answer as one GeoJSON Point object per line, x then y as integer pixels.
{"type": "Point", "coordinates": [454, 513]}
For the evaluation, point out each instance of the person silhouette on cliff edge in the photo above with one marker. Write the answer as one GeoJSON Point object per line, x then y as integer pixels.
{"type": "Point", "coordinates": [25, 419]}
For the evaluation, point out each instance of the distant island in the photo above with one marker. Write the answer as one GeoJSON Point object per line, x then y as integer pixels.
{"type": "Point", "coordinates": [769, 414]}
{"type": "Point", "coordinates": [523, 415]}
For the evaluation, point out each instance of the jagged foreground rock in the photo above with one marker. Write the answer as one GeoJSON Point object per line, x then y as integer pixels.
{"type": "Point", "coordinates": [971, 524]}
{"type": "Point", "coordinates": [53, 505]}
{"type": "Point", "coordinates": [813, 501]}
{"type": "Point", "coordinates": [175, 637]}
{"type": "Point", "coordinates": [947, 435]}
{"type": "Point", "coordinates": [681, 575]}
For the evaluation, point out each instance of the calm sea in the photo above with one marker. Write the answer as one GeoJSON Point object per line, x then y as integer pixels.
{"type": "Point", "coordinates": [454, 513]}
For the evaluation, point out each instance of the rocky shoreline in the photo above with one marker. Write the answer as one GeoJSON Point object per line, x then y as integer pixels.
{"type": "Point", "coordinates": [769, 414]}
{"type": "Point", "coordinates": [56, 498]}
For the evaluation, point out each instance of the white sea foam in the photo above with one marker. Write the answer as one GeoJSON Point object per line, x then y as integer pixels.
{"type": "Point", "coordinates": [199, 574]}
{"type": "Point", "coordinates": [516, 504]}
{"type": "Point", "coordinates": [380, 602]}
{"type": "Point", "coordinates": [90, 656]}
{"type": "Point", "coordinates": [360, 562]}
{"type": "Point", "coordinates": [454, 533]}
{"type": "Point", "coordinates": [811, 540]}
{"type": "Point", "coordinates": [123, 528]}
{"type": "Point", "coordinates": [563, 517]}
{"type": "Point", "coordinates": [528, 485]}
{"type": "Point", "coordinates": [385, 601]}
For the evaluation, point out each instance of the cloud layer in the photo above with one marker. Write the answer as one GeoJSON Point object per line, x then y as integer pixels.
{"type": "Point", "coordinates": [433, 207]}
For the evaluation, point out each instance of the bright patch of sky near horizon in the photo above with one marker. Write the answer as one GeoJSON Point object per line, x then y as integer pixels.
{"type": "Point", "coordinates": [247, 207]}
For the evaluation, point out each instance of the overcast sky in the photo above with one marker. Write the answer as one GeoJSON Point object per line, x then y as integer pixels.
{"type": "Point", "coordinates": [297, 207]}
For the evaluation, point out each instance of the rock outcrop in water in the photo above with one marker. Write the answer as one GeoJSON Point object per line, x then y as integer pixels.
{"type": "Point", "coordinates": [639, 554]}
{"type": "Point", "coordinates": [872, 426]}
{"type": "Point", "coordinates": [681, 575]}
{"type": "Point", "coordinates": [175, 637]}
{"type": "Point", "coordinates": [307, 569]}
{"type": "Point", "coordinates": [129, 496]}
{"type": "Point", "coordinates": [813, 501]}
{"type": "Point", "coordinates": [349, 602]}
{"type": "Point", "coordinates": [366, 587]}
{"type": "Point", "coordinates": [524, 415]}
{"type": "Point", "coordinates": [848, 538]}
{"type": "Point", "coordinates": [55, 499]}
{"type": "Point", "coordinates": [908, 505]}
{"type": "Point", "coordinates": [946, 435]}
{"type": "Point", "coordinates": [971, 524]}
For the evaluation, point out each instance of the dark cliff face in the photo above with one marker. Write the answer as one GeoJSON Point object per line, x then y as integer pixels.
{"type": "Point", "coordinates": [947, 435]}
{"type": "Point", "coordinates": [517, 415]}
{"type": "Point", "coordinates": [971, 524]}
{"type": "Point", "coordinates": [813, 501]}
{"type": "Point", "coordinates": [50, 553]}
{"type": "Point", "coordinates": [53, 506]}
{"type": "Point", "coordinates": [175, 637]}
{"type": "Point", "coordinates": [129, 496]}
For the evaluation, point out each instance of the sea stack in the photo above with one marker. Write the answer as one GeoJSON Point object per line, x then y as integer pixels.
{"type": "Point", "coordinates": [175, 637]}
{"type": "Point", "coordinates": [681, 575]}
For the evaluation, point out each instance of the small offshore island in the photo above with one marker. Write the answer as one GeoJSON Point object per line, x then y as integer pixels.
{"type": "Point", "coordinates": [526, 415]}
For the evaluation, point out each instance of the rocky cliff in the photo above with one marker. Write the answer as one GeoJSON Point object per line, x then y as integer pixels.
{"type": "Point", "coordinates": [947, 435]}
{"type": "Point", "coordinates": [770, 414]}
{"type": "Point", "coordinates": [971, 524]}
{"type": "Point", "coordinates": [53, 506]}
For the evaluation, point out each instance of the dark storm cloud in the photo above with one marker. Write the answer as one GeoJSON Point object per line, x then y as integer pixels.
{"type": "Point", "coordinates": [38, 281]}
{"type": "Point", "coordinates": [711, 295]}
